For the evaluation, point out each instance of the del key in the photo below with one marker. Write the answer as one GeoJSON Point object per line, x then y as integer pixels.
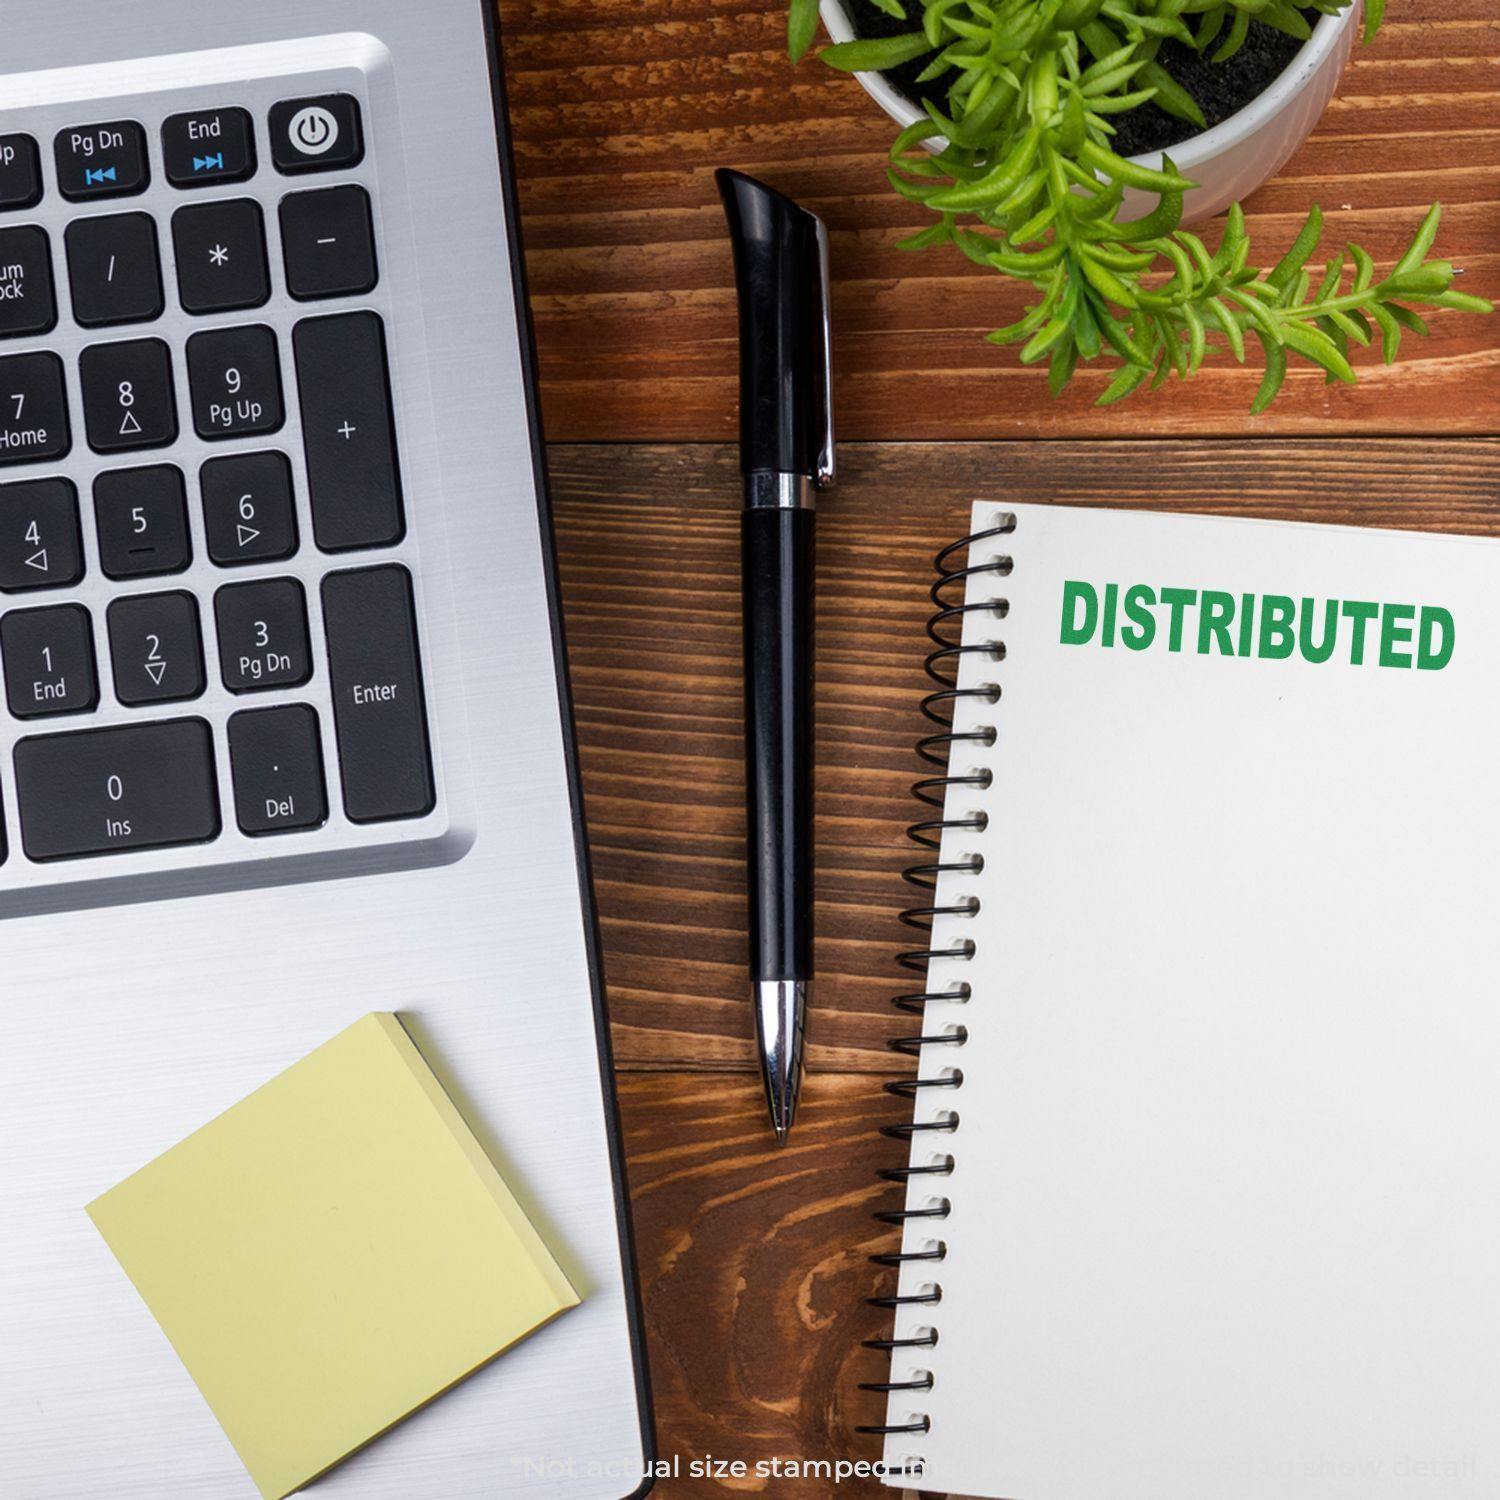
{"type": "Point", "coordinates": [378, 707]}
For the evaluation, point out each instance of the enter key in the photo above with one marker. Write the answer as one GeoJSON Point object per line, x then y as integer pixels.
{"type": "Point", "coordinates": [380, 715]}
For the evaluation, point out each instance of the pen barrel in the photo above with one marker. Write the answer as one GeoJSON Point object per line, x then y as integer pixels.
{"type": "Point", "coordinates": [778, 547]}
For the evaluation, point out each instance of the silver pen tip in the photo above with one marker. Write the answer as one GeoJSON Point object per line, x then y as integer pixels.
{"type": "Point", "coordinates": [780, 1011]}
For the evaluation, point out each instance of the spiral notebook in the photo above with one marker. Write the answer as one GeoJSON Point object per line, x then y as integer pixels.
{"type": "Point", "coordinates": [1204, 1199]}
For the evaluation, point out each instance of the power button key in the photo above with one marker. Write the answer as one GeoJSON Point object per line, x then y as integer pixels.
{"type": "Point", "coordinates": [322, 134]}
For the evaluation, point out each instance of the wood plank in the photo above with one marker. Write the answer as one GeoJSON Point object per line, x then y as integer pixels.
{"type": "Point", "coordinates": [754, 1272]}
{"type": "Point", "coordinates": [648, 542]}
{"type": "Point", "coordinates": [623, 108]}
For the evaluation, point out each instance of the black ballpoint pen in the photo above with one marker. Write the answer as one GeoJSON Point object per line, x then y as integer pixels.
{"type": "Point", "coordinates": [786, 451]}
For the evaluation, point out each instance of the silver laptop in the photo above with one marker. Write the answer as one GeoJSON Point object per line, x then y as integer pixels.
{"type": "Point", "coordinates": [284, 735]}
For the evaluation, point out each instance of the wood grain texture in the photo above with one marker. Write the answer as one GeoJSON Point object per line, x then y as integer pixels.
{"type": "Point", "coordinates": [754, 1270]}
{"type": "Point", "coordinates": [623, 108]}
{"type": "Point", "coordinates": [649, 551]}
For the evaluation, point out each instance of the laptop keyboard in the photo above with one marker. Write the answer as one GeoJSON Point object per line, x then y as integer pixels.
{"type": "Point", "coordinates": [144, 573]}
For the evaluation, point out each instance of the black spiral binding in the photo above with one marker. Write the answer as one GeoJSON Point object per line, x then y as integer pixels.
{"type": "Point", "coordinates": [945, 629]}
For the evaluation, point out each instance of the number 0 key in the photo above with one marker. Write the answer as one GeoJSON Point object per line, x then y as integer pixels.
{"type": "Point", "coordinates": [111, 790]}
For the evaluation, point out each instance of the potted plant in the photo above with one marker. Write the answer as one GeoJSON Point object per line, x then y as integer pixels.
{"type": "Point", "coordinates": [1012, 111]}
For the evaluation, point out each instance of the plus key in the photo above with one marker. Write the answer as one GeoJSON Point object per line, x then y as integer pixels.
{"type": "Point", "coordinates": [354, 477]}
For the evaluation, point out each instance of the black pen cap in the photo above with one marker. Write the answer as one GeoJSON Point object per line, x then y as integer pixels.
{"type": "Point", "coordinates": [781, 270]}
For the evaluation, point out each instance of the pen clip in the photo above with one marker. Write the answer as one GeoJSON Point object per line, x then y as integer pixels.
{"type": "Point", "coordinates": [781, 268]}
{"type": "Point", "coordinates": [827, 462]}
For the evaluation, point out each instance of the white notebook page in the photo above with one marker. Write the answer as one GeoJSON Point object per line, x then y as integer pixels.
{"type": "Point", "coordinates": [1225, 1216]}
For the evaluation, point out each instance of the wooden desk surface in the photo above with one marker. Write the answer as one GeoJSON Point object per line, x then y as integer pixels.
{"type": "Point", "coordinates": [753, 1260]}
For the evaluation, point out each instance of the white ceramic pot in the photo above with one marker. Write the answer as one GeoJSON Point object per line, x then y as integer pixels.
{"type": "Point", "coordinates": [1229, 161]}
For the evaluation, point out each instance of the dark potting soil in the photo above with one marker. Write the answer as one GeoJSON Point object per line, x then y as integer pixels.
{"type": "Point", "coordinates": [1220, 89]}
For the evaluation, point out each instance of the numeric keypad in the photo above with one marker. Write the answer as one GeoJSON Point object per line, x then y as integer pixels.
{"type": "Point", "coordinates": [98, 763]}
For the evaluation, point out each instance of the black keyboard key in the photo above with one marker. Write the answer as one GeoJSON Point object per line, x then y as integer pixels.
{"type": "Point", "coordinates": [276, 756]}
{"type": "Point", "coordinates": [114, 268]}
{"type": "Point", "coordinates": [248, 512]}
{"type": "Point", "coordinates": [235, 374]}
{"type": "Point", "coordinates": [328, 239]}
{"type": "Point", "coordinates": [129, 397]}
{"type": "Point", "coordinates": [221, 256]}
{"type": "Point", "coordinates": [379, 711]}
{"type": "Point", "coordinates": [263, 635]}
{"type": "Point", "coordinates": [207, 146]}
{"type": "Point", "coordinates": [49, 661]}
{"type": "Point", "coordinates": [105, 791]}
{"type": "Point", "coordinates": [353, 475]}
{"type": "Point", "coordinates": [40, 543]}
{"type": "Point", "coordinates": [33, 409]}
{"type": "Point", "coordinates": [20, 172]}
{"type": "Point", "coordinates": [142, 521]}
{"type": "Point", "coordinates": [102, 161]}
{"type": "Point", "coordinates": [318, 134]}
{"type": "Point", "coordinates": [28, 304]}
{"type": "Point", "coordinates": [156, 648]}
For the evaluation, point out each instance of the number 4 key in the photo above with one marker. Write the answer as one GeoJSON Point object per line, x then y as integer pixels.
{"type": "Point", "coordinates": [40, 545]}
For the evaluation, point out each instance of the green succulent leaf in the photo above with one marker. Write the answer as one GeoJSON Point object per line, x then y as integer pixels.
{"type": "Point", "coordinates": [1303, 246]}
{"type": "Point", "coordinates": [1390, 332]}
{"type": "Point", "coordinates": [1131, 173]}
{"type": "Point", "coordinates": [1421, 243]}
{"type": "Point", "coordinates": [1239, 31]}
{"type": "Point", "coordinates": [1171, 96]}
{"type": "Point", "coordinates": [1125, 383]}
{"type": "Point", "coordinates": [872, 54]}
{"type": "Point", "coordinates": [1230, 327]}
{"type": "Point", "coordinates": [801, 27]}
{"type": "Point", "coordinates": [1275, 376]}
{"type": "Point", "coordinates": [1312, 343]}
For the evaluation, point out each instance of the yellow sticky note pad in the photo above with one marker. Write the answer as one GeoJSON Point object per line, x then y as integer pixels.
{"type": "Point", "coordinates": [331, 1254]}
